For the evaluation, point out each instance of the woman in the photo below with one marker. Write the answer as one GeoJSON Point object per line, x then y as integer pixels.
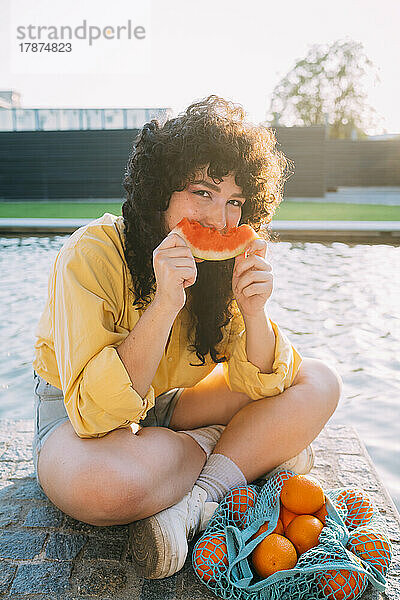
{"type": "Point", "coordinates": [161, 383]}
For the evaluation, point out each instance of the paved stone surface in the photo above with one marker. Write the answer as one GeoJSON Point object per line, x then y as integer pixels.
{"type": "Point", "coordinates": [47, 555]}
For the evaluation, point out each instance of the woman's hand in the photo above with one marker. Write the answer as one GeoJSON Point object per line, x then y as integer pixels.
{"type": "Point", "coordinates": [252, 281]}
{"type": "Point", "coordinates": [175, 269]}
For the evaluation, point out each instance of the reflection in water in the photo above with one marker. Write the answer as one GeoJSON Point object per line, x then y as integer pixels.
{"type": "Point", "coordinates": [336, 302]}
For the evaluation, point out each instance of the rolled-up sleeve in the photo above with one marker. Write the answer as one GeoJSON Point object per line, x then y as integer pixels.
{"type": "Point", "coordinates": [87, 299]}
{"type": "Point", "coordinates": [242, 376]}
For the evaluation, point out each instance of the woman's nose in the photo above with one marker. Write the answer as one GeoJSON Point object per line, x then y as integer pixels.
{"type": "Point", "coordinates": [216, 219]}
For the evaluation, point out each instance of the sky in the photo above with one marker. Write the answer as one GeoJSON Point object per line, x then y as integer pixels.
{"type": "Point", "coordinates": [236, 49]}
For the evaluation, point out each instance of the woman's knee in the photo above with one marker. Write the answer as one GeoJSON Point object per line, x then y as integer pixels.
{"type": "Point", "coordinates": [92, 487]}
{"type": "Point", "coordinates": [122, 486]}
{"type": "Point", "coordinates": [108, 494]}
{"type": "Point", "coordinates": [115, 479]}
{"type": "Point", "coordinates": [324, 380]}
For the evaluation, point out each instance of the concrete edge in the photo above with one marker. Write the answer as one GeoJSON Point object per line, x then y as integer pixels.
{"type": "Point", "coordinates": [368, 232]}
{"type": "Point", "coordinates": [374, 470]}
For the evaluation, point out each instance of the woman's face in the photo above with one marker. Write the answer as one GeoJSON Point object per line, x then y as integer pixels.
{"type": "Point", "coordinates": [217, 206]}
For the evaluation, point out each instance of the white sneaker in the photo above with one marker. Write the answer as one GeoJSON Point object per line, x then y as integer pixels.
{"type": "Point", "coordinates": [300, 464]}
{"type": "Point", "coordinates": [159, 543]}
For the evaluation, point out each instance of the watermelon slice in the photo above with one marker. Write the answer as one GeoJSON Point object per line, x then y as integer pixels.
{"type": "Point", "coordinates": [209, 244]}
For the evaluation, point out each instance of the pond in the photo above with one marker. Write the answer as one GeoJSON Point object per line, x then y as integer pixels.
{"type": "Point", "coordinates": [336, 302]}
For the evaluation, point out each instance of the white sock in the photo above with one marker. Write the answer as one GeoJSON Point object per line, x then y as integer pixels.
{"type": "Point", "coordinates": [206, 437]}
{"type": "Point", "coordinates": [219, 475]}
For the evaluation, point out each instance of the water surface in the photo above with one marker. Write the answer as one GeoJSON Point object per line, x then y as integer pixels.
{"type": "Point", "coordinates": [336, 302]}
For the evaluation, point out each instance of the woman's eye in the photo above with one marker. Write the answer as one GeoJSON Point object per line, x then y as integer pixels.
{"type": "Point", "coordinates": [201, 192]}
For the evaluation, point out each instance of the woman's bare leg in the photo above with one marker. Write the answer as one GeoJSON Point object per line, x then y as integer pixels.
{"type": "Point", "coordinates": [123, 477]}
{"type": "Point", "coordinates": [120, 477]}
{"type": "Point", "coordinates": [279, 427]}
{"type": "Point", "coordinates": [209, 402]}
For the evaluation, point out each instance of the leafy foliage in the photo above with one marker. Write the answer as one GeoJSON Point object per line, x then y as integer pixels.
{"type": "Point", "coordinates": [326, 87]}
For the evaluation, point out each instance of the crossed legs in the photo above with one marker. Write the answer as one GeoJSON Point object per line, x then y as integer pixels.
{"type": "Point", "coordinates": [124, 477]}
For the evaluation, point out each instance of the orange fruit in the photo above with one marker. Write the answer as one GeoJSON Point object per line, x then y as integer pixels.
{"type": "Point", "coordinates": [302, 495]}
{"type": "Point", "coordinates": [342, 585]}
{"type": "Point", "coordinates": [281, 476]}
{"type": "Point", "coordinates": [372, 546]}
{"type": "Point", "coordinates": [264, 527]}
{"type": "Point", "coordinates": [238, 501]}
{"type": "Point", "coordinates": [274, 553]}
{"type": "Point", "coordinates": [321, 514]}
{"type": "Point", "coordinates": [286, 516]}
{"type": "Point", "coordinates": [211, 556]}
{"type": "Point", "coordinates": [279, 527]}
{"type": "Point", "coordinates": [359, 507]}
{"type": "Point", "coordinates": [340, 506]}
{"type": "Point", "coordinates": [304, 532]}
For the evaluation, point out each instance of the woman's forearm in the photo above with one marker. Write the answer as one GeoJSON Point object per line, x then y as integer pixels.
{"type": "Point", "coordinates": [142, 349]}
{"type": "Point", "coordinates": [260, 342]}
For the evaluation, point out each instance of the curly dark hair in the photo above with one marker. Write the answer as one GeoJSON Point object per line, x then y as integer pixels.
{"type": "Point", "coordinates": [211, 133]}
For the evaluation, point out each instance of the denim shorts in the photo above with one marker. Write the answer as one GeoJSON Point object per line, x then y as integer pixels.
{"type": "Point", "coordinates": [50, 412]}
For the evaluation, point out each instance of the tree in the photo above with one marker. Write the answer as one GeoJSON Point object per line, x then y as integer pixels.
{"type": "Point", "coordinates": [326, 88]}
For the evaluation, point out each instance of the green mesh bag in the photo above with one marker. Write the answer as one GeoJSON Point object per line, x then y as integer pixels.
{"type": "Point", "coordinates": [329, 571]}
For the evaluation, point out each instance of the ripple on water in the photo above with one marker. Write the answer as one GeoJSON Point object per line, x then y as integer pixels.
{"type": "Point", "coordinates": [336, 302]}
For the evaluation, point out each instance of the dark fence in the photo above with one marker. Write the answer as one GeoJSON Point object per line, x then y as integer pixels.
{"type": "Point", "coordinates": [305, 147]}
{"type": "Point", "coordinates": [64, 164]}
{"type": "Point", "coordinates": [362, 163]}
{"type": "Point", "coordinates": [90, 164]}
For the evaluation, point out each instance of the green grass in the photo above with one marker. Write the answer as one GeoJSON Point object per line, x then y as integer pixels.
{"type": "Point", "coordinates": [58, 210]}
{"type": "Point", "coordinates": [324, 211]}
{"type": "Point", "coordinates": [298, 211]}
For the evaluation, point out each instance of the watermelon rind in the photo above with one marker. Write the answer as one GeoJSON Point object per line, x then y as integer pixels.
{"type": "Point", "coordinates": [188, 230]}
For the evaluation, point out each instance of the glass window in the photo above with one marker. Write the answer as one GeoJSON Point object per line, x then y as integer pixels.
{"type": "Point", "coordinates": [48, 119]}
{"type": "Point", "coordinates": [6, 120]}
{"type": "Point", "coordinates": [113, 118]}
{"type": "Point", "coordinates": [93, 119]}
{"type": "Point", "coordinates": [70, 118]}
{"type": "Point", "coordinates": [135, 117]}
{"type": "Point", "coordinates": [25, 119]}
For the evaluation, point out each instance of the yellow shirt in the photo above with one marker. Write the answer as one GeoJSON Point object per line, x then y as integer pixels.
{"type": "Point", "coordinates": [89, 312]}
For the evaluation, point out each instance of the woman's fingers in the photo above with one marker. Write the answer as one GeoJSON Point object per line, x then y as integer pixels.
{"type": "Point", "coordinates": [250, 277]}
{"type": "Point", "coordinates": [257, 263]}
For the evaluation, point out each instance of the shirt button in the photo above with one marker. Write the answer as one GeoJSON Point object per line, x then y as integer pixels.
{"type": "Point", "coordinates": [170, 359]}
